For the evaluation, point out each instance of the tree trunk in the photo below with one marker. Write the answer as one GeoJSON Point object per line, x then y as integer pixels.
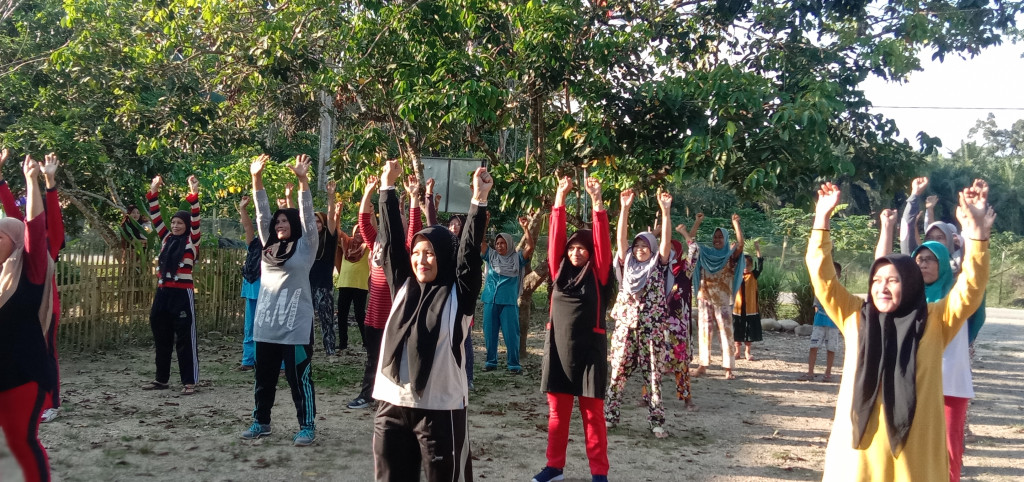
{"type": "Point", "coordinates": [110, 238]}
{"type": "Point", "coordinates": [327, 126]}
{"type": "Point", "coordinates": [531, 282]}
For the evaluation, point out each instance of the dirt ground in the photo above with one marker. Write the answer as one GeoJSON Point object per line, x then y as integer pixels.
{"type": "Point", "coordinates": [763, 426]}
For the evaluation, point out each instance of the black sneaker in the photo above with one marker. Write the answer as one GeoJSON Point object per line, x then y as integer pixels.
{"type": "Point", "coordinates": [358, 403]}
{"type": "Point", "coordinates": [548, 474]}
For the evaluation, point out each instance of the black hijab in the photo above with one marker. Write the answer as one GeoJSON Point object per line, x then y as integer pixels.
{"type": "Point", "coordinates": [279, 251]}
{"type": "Point", "coordinates": [173, 250]}
{"type": "Point", "coordinates": [419, 313]}
{"type": "Point", "coordinates": [887, 355]}
{"type": "Point", "coordinates": [251, 269]}
{"type": "Point", "coordinates": [571, 279]}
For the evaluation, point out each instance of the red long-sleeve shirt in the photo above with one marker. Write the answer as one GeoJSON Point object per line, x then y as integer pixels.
{"type": "Point", "coordinates": [183, 278]}
{"type": "Point", "coordinates": [379, 306]}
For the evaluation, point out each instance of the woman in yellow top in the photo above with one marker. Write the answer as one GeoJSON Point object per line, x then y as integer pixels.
{"type": "Point", "coordinates": [889, 415]}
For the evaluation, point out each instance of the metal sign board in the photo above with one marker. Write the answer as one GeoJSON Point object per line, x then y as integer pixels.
{"type": "Point", "coordinates": [453, 180]}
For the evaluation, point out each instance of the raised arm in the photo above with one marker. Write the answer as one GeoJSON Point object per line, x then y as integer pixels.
{"type": "Point", "coordinates": [839, 304]}
{"type": "Point", "coordinates": [11, 209]}
{"type": "Point", "coordinates": [484, 245]}
{"type": "Point", "coordinates": [976, 218]}
{"type": "Point", "coordinates": [246, 220]}
{"type": "Point", "coordinates": [665, 203]}
{"type": "Point", "coordinates": [263, 212]}
{"type": "Point", "coordinates": [528, 241]}
{"type": "Point", "coordinates": [929, 209]}
{"type": "Point", "coordinates": [430, 203]}
{"type": "Point", "coordinates": [288, 201]}
{"type": "Point", "coordinates": [194, 217]}
{"type": "Point", "coordinates": [397, 266]}
{"type": "Point", "coordinates": [54, 217]}
{"type": "Point", "coordinates": [738, 250]}
{"type": "Point", "coordinates": [366, 213]}
{"type": "Point", "coordinates": [622, 229]}
{"type": "Point", "coordinates": [908, 225]}
{"type": "Point", "coordinates": [696, 225]}
{"type": "Point", "coordinates": [414, 223]}
{"type": "Point", "coordinates": [470, 264]}
{"type": "Point", "coordinates": [306, 213]}
{"type": "Point", "coordinates": [332, 209]}
{"type": "Point", "coordinates": [35, 227]}
{"type": "Point", "coordinates": [556, 226]}
{"type": "Point", "coordinates": [886, 224]}
{"type": "Point", "coordinates": [602, 234]}
{"type": "Point", "coordinates": [756, 270]}
{"type": "Point", "coordinates": [153, 196]}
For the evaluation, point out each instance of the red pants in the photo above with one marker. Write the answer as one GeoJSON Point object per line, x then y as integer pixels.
{"type": "Point", "coordinates": [956, 418]}
{"type": "Point", "coordinates": [592, 410]}
{"type": "Point", "coordinates": [19, 418]}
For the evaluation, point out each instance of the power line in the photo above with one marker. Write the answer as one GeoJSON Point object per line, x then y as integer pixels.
{"type": "Point", "coordinates": [942, 107]}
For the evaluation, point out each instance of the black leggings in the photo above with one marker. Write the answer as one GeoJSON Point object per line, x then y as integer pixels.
{"type": "Point", "coordinates": [173, 321]}
{"type": "Point", "coordinates": [299, 374]}
{"type": "Point", "coordinates": [346, 298]}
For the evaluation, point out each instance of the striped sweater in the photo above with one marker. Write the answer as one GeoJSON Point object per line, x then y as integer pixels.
{"type": "Point", "coordinates": [380, 294]}
{"type": "Point", "coordinates": [183, 279]}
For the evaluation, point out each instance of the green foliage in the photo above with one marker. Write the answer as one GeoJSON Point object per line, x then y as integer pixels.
{"type": "Point", "coordinates": [769, 285]}
{"type": "Point", "coordinates": [803, 292]}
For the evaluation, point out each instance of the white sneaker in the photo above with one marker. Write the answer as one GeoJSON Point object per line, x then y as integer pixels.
{"type": "Point", "coordinates": [48, 415]}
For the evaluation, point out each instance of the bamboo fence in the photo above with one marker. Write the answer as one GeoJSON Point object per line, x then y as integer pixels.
{"type": "Point", "coordinates": [106, 295]}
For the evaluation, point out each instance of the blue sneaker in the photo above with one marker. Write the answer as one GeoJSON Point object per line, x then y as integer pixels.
{"type": "Point", "coordinates": [256, 430]}
{"type": "Point", "coordinates": [599, 478]}
{"type": "Point", "coordinates": [304, 437]}
{"type": "Point", "coordinates": [548, 474]}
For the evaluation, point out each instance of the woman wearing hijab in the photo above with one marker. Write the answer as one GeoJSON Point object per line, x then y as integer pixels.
{"type": "Point", "coordinates": [938, 273]}
{"type": "Point", "coordinates": [502, 286]}
{"type": "Point", "coordinates": [421, 383]}
{"type": "Point", "coordinates": [173, 316]}
{"type": "Point", "coordinates": [717, 279]}
{"type": "Point", "coordinates": [283, 328]}
{"type": "Point", "coordinates": [889, 412]}
{"type": "Point", "coordinates": [640, 311]}
{"type": "Point", "coordinates": [55, 238]}
{"type": "Point", "coordinates": [321, 275]}
{"type": "Point", "coordinates": [576, 346]}
{"type": "Point", "coordinates": [352, 281]}
{"type": "Point", "coordinates": [250, 284]}
{"type": "Point", "coordinates": [380, 294]}
{"type": "Point", "coordinates": [26, 311]}
{"type": "Point", "coordinates": [677, 336]}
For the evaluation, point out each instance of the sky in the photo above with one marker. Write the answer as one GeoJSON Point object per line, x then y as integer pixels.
{"type": "Point", "coordinates": [993, 79]}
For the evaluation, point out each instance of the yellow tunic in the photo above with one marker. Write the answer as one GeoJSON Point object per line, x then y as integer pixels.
{"type": "Point", "coordinates": [924, 454]}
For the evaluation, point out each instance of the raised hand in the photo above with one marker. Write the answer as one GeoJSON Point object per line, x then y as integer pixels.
{"type": "Point", "coordinates": [244, 202]}
{"type": "Point", "coordinates": [50, 165]}
{"type": "Point", "coordinates": [430, 187]}
{"type": "Point", "coordinates": [482, 184]}
{"type": "Point", "coordinates": [593, 187]}
{"type": "Point", "coordinates": [4, 154]}
{"type": "Point", "coordinates": [371, 184]}
{"type": "Point", "coordinates": [564, 185]}
{"type": "Point", "coordinates": [31, 168]}
{"type": "Point", "coordinates": [288, 188]}
{"type": "Point", "coordinates": [412, 184]}
{"type": "Point", "coordinates": [887, 218]}
{"type": "Point", "coordinates": [193, 184]}
{"type": "Point", "coordinates": [735, 218]}
{"type": "Point", "coordinates": [974, 213]}
{"type": "Point", "coordinates": [524, 222]}
{"type": "Point", "coordinates": [699, 218]}
{"type": "Point", "coordinates": [681, 229]}
{"type": "Point", "coordinates": [156, 184]}
{"type": "Point", "coordinates": [331, 186]}
{"type": "Point", "coordinates": [918, 185]}
{"type": "Point", "coordinates": [627, 197]}
{"type": "Point", "coordinates": [301, 167]}
{"type": "Point", "coordinates": [257, 166]}
{"type": "Point", "coordinates": [665, 200]}
{"type": "Point", "coordinates": [931, 201]}
{"type": "Point", "coordinates": [828, 199]}
{"type": "Point", "coordinates": [392, 169]}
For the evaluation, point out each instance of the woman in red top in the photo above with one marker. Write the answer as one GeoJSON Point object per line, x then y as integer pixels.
{"type": "Point", "coordinates": [380, 294]}
{"type": "Point", "coordinates": [26, 308]}
{"type": "Point", "coordinates": [55, 238]}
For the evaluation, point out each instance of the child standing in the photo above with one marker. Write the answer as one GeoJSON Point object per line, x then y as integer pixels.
{"type": "Point", "coordinates": [746, 317]}
{"type": "Point", "coordinates": [824, 334]}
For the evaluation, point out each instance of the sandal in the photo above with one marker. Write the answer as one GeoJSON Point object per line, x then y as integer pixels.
{"type": "Point", "coordinates": [729, 375]}
{"type": "Point", "coordinates": [806, 377]}
{"type": "Point", "coordinates": [659, 432]}
{"type": "Point", "coordinates": [827, 379]}
{"type": "Point", "coordinates": [155, 385]}
{"type": "Point", "coordinates": [188, 390]}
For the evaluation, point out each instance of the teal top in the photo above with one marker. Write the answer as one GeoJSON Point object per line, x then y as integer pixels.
{"type": "Point", "coordinates": [502, 290]}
